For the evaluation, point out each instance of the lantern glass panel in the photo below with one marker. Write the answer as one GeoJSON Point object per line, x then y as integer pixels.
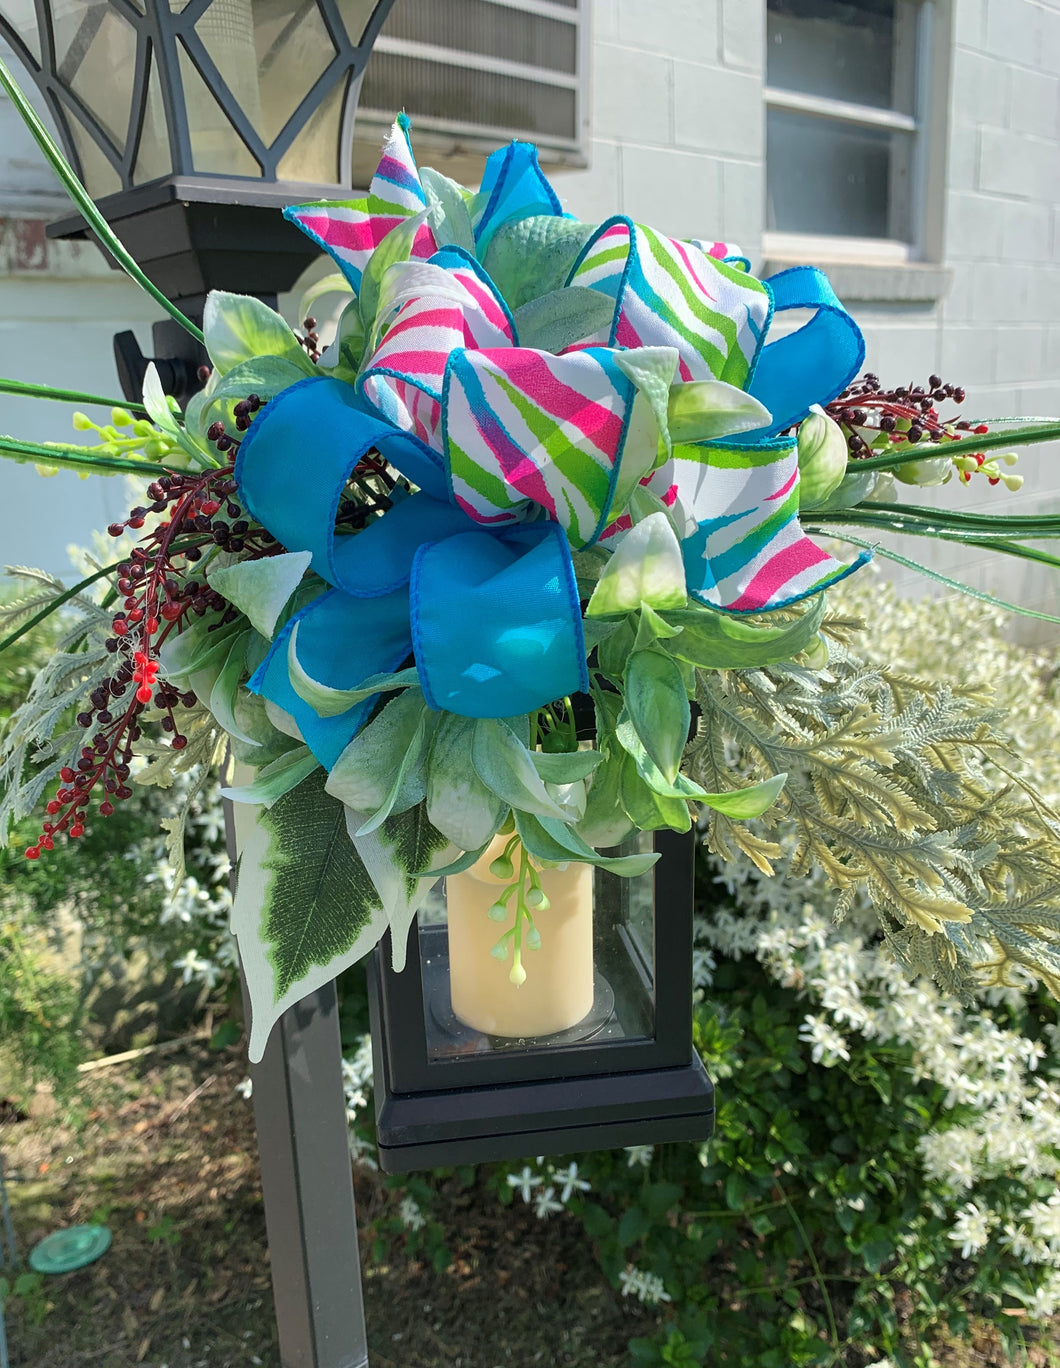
{"type": "Point", "coordinates": [314, 154]}
{"type": "Point", "coordinates": [22, 16]}
{"type": "Point", "coordinates": [215, 144]}
{"type": "Point", "coordinates": [153, 158]}
{"type": "Point", "coordinates": [99, 175]}
{"type": "Point", "coordinates": [590, 982]}
{"type": "Point", "coordinates": [270, 53]}
{"type": "Point", "coordinates": [95, 56]}
{"type": "Point", "coordinates": [357, 15]}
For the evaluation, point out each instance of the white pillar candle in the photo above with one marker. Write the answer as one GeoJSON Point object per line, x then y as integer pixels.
{"type": "Point", "coordinates": [558, 991]}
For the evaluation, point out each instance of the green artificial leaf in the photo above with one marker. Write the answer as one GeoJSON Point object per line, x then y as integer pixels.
{"type": "Point", "coordinates": [458, 802]}
{"type": "Point", "coordinates": [644, 502]}
{"type": "Point", "coordinates": [225, 688]}
{"type": "Point", "coordinates": [157, 406]}
{"type": "Point", "coordinates": [647, 809]}
{"type": "Point", "coordinates": [560, 318]}
{"type": "Point", "coordinates": [458, 866]}
{"type": "Point", "coordinates": [341, 359]}
{"type": "Point", "coordinates": [565, 767]}
{"type": "Point", "coordinates": [261, 588]}
{"type": "Point", "coordinates": [548, 839]}
{"type": "Point", "coordinates": [409, 786]}
{"type": "Point", "coordinates": [335, 283]}
{"type": "Point", "coordinates": [534, 256]}
{"type": "Point", "coordinates": [680, 787]}
{"type": "Point", "coordinates": [241, 328]}
{"type": "Point", "coordinates": [506, 767]}
{"type": "Point", "coordinates": [704, 410]}
{"type": "Point", "coordinates": [604, 822]}
{"type": "Point", "coordinates": [184, 654]}
{"type": "Point", "coordinates": [652, 628]}
{"type": "Point", "coordinates": [745, 803]}
{"type": "Point", "coordinates": [272, 781]}
{"type": "Point", "coordinates": [394, 856]}
{"type": "Point", "coordinates": [448, 215]}
{"type": "Point", "coordinates": [613, 653]}
{"type": "Point", "coordinates": [651, 369]}
{"type": "Point", "coordinates": [646, 568]}
{"type": "Point", "coordinates": [395, 248]}
{"type": "Point", "coordinates": [853, 488]}
{"type": "Point", "coordinates": [658, 708]}
{"type": "Point", "coordinates": [596, 631]}
{"type": "Point", "coordinates": [305, 907]}
{"type": "Point", "coordinates": [328, 702]}
{"type": "Point", "coordinates": [719, 641]}
{"type": "Point", "coordinates": [362, 777]}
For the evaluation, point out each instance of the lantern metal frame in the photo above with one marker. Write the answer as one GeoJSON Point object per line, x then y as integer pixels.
{"type": "Point", "coordinates": [543, 1098]}
{"type": "Point", "coordinates": [160, 32]}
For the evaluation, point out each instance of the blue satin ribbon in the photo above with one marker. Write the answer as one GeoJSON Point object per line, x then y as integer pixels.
{"type": "Point", "coordinates": [492, 616]}
{"type": "Point", "coordinates": [812, 365]}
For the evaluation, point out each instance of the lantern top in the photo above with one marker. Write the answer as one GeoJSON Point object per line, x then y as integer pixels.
{"type": "Point", "coordinates": [221, 99]}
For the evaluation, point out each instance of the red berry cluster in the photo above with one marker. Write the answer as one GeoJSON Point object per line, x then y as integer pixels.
{"type": "Point", "coordinates": [908, 414]}
{"type": "Point", "coordinates": [159, 595]}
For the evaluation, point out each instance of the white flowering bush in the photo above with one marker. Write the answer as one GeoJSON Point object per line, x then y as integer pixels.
{"type": "Point", "coordinates": [886, 1156]}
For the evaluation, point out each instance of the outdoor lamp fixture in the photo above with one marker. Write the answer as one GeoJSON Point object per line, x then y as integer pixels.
{"type": "Point", "coordinates": [192, 123]}
{"type": "Point", "coordinates": [464, 1071]}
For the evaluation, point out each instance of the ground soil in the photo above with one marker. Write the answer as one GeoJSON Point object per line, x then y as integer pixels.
{"type": "Point", "coordinates": [163, 1151]}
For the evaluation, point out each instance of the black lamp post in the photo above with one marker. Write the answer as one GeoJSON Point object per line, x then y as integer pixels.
{"type": "Point", "coordinates": [626, 1074]}
{"type": "Point", "coordinates": [191, 123]}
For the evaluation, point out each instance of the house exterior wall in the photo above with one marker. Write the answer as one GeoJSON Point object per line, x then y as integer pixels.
{"type": "Point", "coordinates": [678, 140]}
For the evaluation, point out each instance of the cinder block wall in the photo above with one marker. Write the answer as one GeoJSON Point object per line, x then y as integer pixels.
{"type": "Point", "coordinates": [678, 141]}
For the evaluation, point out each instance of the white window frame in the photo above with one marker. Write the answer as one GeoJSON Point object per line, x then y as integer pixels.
{"type": "Point", "coordinates": [454, 137]}
{"type": "Point", "coordinates": [926, 125]}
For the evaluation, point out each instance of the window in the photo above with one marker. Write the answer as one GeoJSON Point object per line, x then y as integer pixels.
{"type": "Point", "coordinates": [847, 134]}
{"type": "Point", "coordinates": [471, 74]}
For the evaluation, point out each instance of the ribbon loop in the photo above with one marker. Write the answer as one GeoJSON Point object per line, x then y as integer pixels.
{"type": "Point", "coordinates": [497, 627]}
{"type": "Point", "coordinates": [814, 364]}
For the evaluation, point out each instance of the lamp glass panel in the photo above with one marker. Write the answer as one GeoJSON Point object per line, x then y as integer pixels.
{"type": "Point", "coordinates": [99, 175]}
{"type": "Point", "coordinates": [294, 50]}
{"type": "Point", "coordinates": [314, 154]}
{"type": "Point", "coordinates": [591, 980]}
{"type": "Point", "coordinates": [215, 144]}
{"type": "Point", "coordinates": [153, 157]}
{"type": "Point", "coordinates": [22, 16]}
{"type": "Point", "coordinates": [95, 57]}
{"type": "Point", "coordinates": [226, 29]}
{"type": "Point", "coordinates": [357, 15]}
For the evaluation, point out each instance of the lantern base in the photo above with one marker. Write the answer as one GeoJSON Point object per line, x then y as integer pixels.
{"type": "Point", "coordinates": [514, 1120]}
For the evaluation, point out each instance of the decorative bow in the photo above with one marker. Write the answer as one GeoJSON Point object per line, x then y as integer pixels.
{"type": "Point", "coordinates": [647, 346]}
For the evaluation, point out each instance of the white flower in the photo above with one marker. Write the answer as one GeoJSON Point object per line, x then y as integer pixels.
{"type": "Point", "coordinates": [192, 965]}
{"type": "Point", "coordinates": [571, 1182]}
{"type": "Point", "coordinates": [828, 1045]}
{"type": "Point", "coordinates": [362, 1151]}
{"type": "Point", "coordinates": [646, 1287]}
{"type": "Point", "coordinates": [245, 1088]}
{"type": "Point", "coordinates": [411, 1215]}
{"type": "Point", "coordinates": [971, 1230]}
{"type": "Point", "coordinates": [525, 1182]}
{"type": "Point", "coordinates": [545, 1204]}
{"type": "Point", "coordinates": [639, 1154]}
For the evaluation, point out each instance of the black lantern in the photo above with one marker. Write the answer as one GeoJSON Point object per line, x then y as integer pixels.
{"type": "Point", "coordinates": [454, 1085]}
{"type": "Point", "coordinates": [191, 123]}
